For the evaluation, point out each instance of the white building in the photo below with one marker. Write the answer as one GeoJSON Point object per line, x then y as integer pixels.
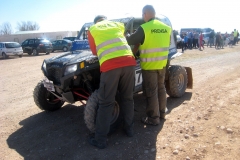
{"type": "Point", "coordinates": [23, 35]}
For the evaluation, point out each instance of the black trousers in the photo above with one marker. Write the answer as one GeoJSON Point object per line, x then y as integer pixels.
{"type": "Point", "coordinates": [122, 80]}
{"type": "Point", "coordinates": [154, 91]}
{"type": "Point", "coordinates": [190, 41]}
{"type": "Point", "coordinates": [195, 43]}
{"type": "Point", "coordinates": [182, 45]}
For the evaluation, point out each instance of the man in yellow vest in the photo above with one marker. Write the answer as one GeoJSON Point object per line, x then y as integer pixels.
{"type": "Point", "coordinates": [154, 37]}
{"type": "Point", "coordinates": [235, 36]}
{"type": "Point", "coordinates": [117, 66]}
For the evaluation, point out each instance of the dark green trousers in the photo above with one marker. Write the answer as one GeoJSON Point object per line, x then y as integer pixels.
{"type": "Point", "coordinates": [155, 92]}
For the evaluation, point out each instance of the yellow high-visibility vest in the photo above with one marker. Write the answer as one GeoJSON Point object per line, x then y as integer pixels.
{"type": "Point", "coordinates": [154, 50]}
{"type": "Point", "coordinates": [110, 41]}
{"type": "Point", "coordinates": [235, 33]}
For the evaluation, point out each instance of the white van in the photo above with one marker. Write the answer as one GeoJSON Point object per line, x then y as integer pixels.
{"type": "Point", "coordinates": [10, 49]}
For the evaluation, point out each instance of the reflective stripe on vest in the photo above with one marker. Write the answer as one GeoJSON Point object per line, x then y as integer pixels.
{"type": "Point", "coordinates": [110, 42]}
{"type": "Point", "coordinates": [112, 50]}
{"type": "Point", "coordinates": [154, 59]}
{"type": "Point", "coordinates": [146, 51]}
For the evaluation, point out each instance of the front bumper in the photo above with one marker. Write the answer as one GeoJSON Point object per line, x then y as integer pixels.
{"type": "Point", "coordinates": [20, 53]}
{"type": "Point", "coordinates": [58, 92]}
{"type": "Point", "coordinates": [44, 50]}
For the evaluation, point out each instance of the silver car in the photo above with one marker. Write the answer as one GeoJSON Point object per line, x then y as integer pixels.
{"type": "Point", "coordinates": [10, 49]}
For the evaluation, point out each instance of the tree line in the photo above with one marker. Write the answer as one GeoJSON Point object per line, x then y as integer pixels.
{"type": "Point", "coordinates": [6, 28]}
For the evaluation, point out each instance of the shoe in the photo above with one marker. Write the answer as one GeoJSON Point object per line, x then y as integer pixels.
{"type": "Point", "coordinates": [150, 121]}
{"type": "Point", "coordinates": [95, 143]}
{"type": "Point", "coordinates": [162, 115]}
{"type": "Point", "coordinates": [129, 132]}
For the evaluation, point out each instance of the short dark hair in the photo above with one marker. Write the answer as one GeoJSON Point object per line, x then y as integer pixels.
{"type": "Point", "coordinates": [98, 17]}
{"type": "Point", "coordinates": [149, 8]}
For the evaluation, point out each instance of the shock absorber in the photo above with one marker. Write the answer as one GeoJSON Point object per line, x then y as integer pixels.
{"type": "Point", "coordinates": [87, 82]}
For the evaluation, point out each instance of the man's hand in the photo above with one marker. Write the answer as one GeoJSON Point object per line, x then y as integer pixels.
{"type": "Point", "coordinates": [126, 34]}
{"type": "Point", "coordinates": [135, 48]}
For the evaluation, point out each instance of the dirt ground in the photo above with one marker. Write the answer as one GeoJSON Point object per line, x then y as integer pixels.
{"type": "Point", "coordinates": [203, 124]}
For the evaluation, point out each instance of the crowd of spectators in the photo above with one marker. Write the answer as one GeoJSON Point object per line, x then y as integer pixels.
{"type": "Point", "coordinates": [195, 40]}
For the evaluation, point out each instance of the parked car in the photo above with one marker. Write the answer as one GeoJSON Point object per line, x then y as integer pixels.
{"type": "Point", "coordinates": [10, 49]}
{"type": "Point", "coordinates": [37, 45]}
{"type": "Point", "coordinates": [70, 38]}
{"type": "Point", "coordinates": [63, 44]}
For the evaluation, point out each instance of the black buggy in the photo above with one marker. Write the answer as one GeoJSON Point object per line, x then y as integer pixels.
{"type": "Point", "coordinates": [75, 76]}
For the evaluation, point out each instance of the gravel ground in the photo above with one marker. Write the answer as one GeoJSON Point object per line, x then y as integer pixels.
{"type": "Point", "coordinates": [203, 124]}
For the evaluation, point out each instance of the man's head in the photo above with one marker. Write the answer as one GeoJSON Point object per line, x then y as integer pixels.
{"type": "Point", "coordinates": [148, 12]}
{"type": "Point", "coordinates": [99, 18]}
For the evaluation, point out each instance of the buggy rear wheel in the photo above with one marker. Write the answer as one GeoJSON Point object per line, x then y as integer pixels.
{"type": "Point", "coordinates": [177, 81]}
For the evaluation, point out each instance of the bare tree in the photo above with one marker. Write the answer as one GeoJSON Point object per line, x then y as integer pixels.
{"type": "Point", "coordinates": [27, 26]}
{"type": "Point", "coordinates": [6, 28]}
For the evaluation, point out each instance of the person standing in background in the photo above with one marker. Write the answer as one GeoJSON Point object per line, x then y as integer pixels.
{"type": "Point", "coordinates": [195, 40]}
{"type": "Point", "coordinates": [217, 43]}
{"type": "Point", "coordinates": [201, 41]}
{"type": "Point", "coordinates": [182, 44]}
{"type": "Point", "coordinates": [231, 37]}
{"type": "Point", "coordinates": [235, 36]}
{"type": "Point", "coordinates": [190, 39]}
{"type": "Point", "coordinates": [211, 39]}
{"type": "Point", "coordinates": [185, 41]}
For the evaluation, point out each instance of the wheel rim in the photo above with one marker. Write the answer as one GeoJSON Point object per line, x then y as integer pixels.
{"type": "Point", "coordinates": [115, 113]}
{"type": "Point", "coordinates": [34, 52]}
{"type": "Point", "coordinates": [180, 81]}
{"type": "Point", "coordinates": [64, 49]}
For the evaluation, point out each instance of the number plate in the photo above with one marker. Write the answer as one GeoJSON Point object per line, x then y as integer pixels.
{"type": "Point", "coordinates": [48, 84]}
{"type": "Point", "coordinates": [138, 77]}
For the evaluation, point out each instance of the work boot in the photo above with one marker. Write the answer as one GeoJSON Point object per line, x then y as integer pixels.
{"type": "Point", "coordinates": [150, 121]}
{"type": "Point", "coordinates": [162, 115]}
{"type": "Point", "coordinates": [129, 132]}
{"type": "Point", "coordinates": [95, 143]}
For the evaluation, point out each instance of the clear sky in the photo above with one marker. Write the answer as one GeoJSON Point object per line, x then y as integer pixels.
{"type": "Point", "coordinates": [62, 15]}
